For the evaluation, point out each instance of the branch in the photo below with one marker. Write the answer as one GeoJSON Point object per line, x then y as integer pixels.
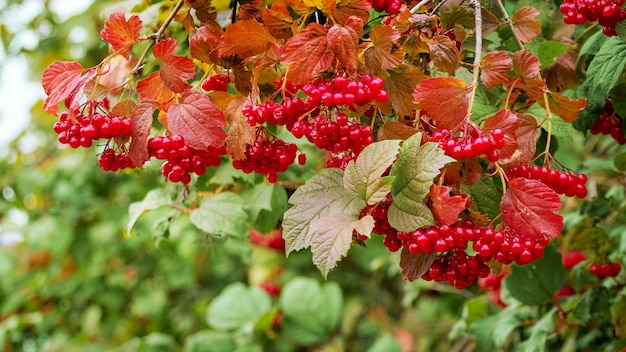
{"type": "Point", "coordinates": [478, 35]}
{"type": "Point", "coordinates": [508, 21]}
{"type": "Point", "coordinates": [415, 8]}
{"type": "Point", "coordinates": [157, 37]}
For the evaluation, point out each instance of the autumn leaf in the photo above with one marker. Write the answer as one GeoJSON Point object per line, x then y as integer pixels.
{"type": "Point", "coordinates": [344, 42]}
{"type": "Point", "coordinates": [175, 70]}
{"type": "Point", "coordinates": [525, 27]}
{"type": "Point", "coordinates": [278, 21]}
{"type": "Point", "coordinates": [348, 8]}
{"type": "Point", "coordinates": [380, 55]}
{"type": "Point", "coordinates": [326, 6]}
{"type": "Point", "coordinates": [535, 88]}
{"type": "Point", "coordinates": [526, 65]}
{"type": "Point", "coordinates": [529, 208]}
{"type": "Point", "coordinates": [444, 53]}
{"type": "Point", "coordinates": [197, 120]}
{"type": "Point", "coordinates": [64, 80]}
{"type": "Point", "coordinates": [142, 122]}
{"type": "Point", "coordinates": [395, 130]}
{"type": "Point", "coordinates": [153, 88]}
{"type": "Point", "coordinates": [527, 135]}
{"type": "Point", "coordinates": [204, 40]}
{"type": "Point", "coordinates": [564, 107]}
{"type": "Point", "coordinates": [240, 132]}
{"type": "Point", "coordinates": [307, 54]}
{"type": "Point", "coordinates": [400, 84]}
{"type": "Point", "coordinates": [446, 208]}
{"type": "Point", "coordinates": [122, 34]}
{"type": "Point", "coordinates": [496, 66]}
{"type": "Point", "coordinates": [505, 120]}
{"type": "Point", "coordinates": [444, 99]}
{"type": "Point", "coordinates": [245, 38]}
{"type": "Point", "coordinates": [414, 266]}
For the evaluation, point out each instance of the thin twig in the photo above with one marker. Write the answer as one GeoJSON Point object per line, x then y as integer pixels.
{"type": "Point", "coordinates": [478, 35]}
{"type": "Point", "coordinates": [508, 21]}
{"type": "Point", "coordinates": [157, 36]}
{"type": "Point", "coordinates": [415, 8]}
{"type": "Point", "coordinates": [437, 7]}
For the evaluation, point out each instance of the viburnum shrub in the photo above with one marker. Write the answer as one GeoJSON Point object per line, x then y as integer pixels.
{"type": "Point", "coordinates": [436, 121]}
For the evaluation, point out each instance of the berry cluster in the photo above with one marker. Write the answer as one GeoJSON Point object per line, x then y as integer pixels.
{"type": "Point", "coordinates": [606, 12]}
{"type": "Point", "coordinates": [462, 147]}
{"type": "Point", "coordinates": [572, 259]}
{"type": "Point", "coordinates": [182, 160]}
{"type": "Point", "coordinates": [602, 271]}
{"type": "Point", "coordinates": [217, 83]}
{"type": "Point", "coordinates": [109, 161]}
{"type": "Point", "coordinates": [609, 123]}
{"type": "Point", "coordinates": [560, 181]}
{"type": "Point", "coordinates": [81, 130]}
{"type": "Point", "coordinates": [381, 224]}
{"type": "Point", "coordinates": [335, 136]}
{"type": "Point", "coordinates": [345, 91]}
{"type": "Point", "coordinates": [506, 247]}
{"type": "Point", "coordinates": [273, 240]}
{"type": "Point", "coordinates": [442, 238]}
{"type": "Point", "coordinates": [392, 7]}
{"type": "Point", "coordinates": [458, 268]}
{"type": "Point", "coordinates": [285, 114]}
{"type": "Point", "coordinates": [268, 157]}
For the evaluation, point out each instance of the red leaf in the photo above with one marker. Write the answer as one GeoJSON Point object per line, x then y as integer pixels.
{"type": "Point", "coordinates": [564, 107]}
{"type": "Point", "coordinates": [142, 122]}
{"type": "Point", "coordinates": [527, 135]}
{"type": "Point", "coordinates": [64, 80]}
{"type": "Point", "coordinates": [120, 33]}
{"type": "Point", "coordinates": [204, 40]}
{"type": "Point", "coordinates": [444, 99]}
{"type": "Point", "coordinates": [308, 53]}
{"type": "Point", "coordinates": [505, 120]}
{"type": "Point", "coordinates": [175, 70]}
{"type": "Point", "coordinates": [348, 8]}
{"type": "Point", "coordinates": [526, 65]}
{"type": "Point", "coordinates": [525, 27]}
{"type": "Point", "coordinates": [381, 54]}
{"type": "Point", "coordinates": [245, 38]}
{"type": "Point", "coordinates": [153, 88]}
{"type": "Point", "coordinates": [344, 42]}
{"type": "Point", "coordinates": [400, 84]}
{"type": "Point", "coordinates": [496, 66]}
{"type": "Point", "coordinates": [240, 132]}
{"type": "Point", "coordinates": [446, 208]}
{"type": "Point", "coordinates": [529, 209]}
{"type": "Point", "coordinates": [444, 54]}
{"type": "Point", "coordinates": [535, 88]}
{"type": "Point", "coordinates": [197, 120]}
{"type": "Point", "coordinates": [414, 266]}
{"type": "Point", "coordinates": [278, 21]}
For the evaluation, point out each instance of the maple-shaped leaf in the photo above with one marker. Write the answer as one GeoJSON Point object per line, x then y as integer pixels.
{"type": "Point", "coordinates": [526, 65]}
{"type": "Point", "coordinates": [505, 120]}
{"type": "Point", "coordinates": [364, 177]}
{"type": "Point", "coordinates": [491, 22]}
{"type": "Point", "coordinates": [344, 42]}
{"type": "Point", "coordinates": [278, 21]}
{"type": "Point", "coordinates": [415, 265]}
{"type": "Point", "coordinates": [142, 122]}
{"type": "Point", "coordinates": [400, 85]}
{"type": "Point", "coordinates": [535, 88]}
{"type": "Point", "coordinates": [307, 54]}
{"type": "Point", "coordinates": [204, 40]}
{"type": "Point", "coordinates": [444, 53]}
{"type": "Point", "coordinates": [245, 38]}
{"type": "Point", "coordinates": [413, 172]}
{"type": "Point", "coordinates": [529, 208]}
{"type": "Point", "coordinates": [395, 130]}
{"type": "Point", "coordinates": [240, 132]}
{"type": "Point", "coordinates": [197, 120]}
{"type": "Point", "coordinates": [348, 8]}
{"type": "Point", "coordinates": [444, 99]}
{"type": "Point", "coordinates": [122, 34]}
{"type": "Point", "coordinates": [564, 107]}
{"type": "Point", "coordinates": [380, 55]}
{"type": "Point", "coordinates": [446, 208]}
{"type": "Point", "coordinates": [527, 134]}
{"type": "Point", "coordinates": [525, 27]}
{"type": "Point", "coordinates": [153, 88]}
{"type": "Point", "coordinates": [175, 70]}
{"type": "Point", "coordinates": [496, 66]}
{"type": "Point", "coordinates": [64, 80]}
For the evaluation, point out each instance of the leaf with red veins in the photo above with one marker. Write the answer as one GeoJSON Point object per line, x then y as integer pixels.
{"type": "Point", "coordinates": [444, 53]}
{"type": "Point", "coordinates": [142, 122]}
{"type": "Point", "coordinates": [381, 54]}
{"type": "Point", "coordinates": [446, 208]}
{"type": "Point", "coordinates": [525, 27]}
{"type": "Point", "coordinates": [496, 66]}
{"type": "Point", "coordinates": [122, 34]}
{"type": "Point", "coordinates": [175, 70]}
{"type": "Point", "coordinates": [535, 88]}
{"type": "Point", "coordinates": [204, 41]}
{"type": "Point", "coordinates": [307, 54]}
{"type": "Point", "coordinates": [564, 107]}
{"type": "Point", "coordinates": [415, 265]}
{"type": "Point", "coordinates": [507, 121]}
{"type": "Point", "coordinates": [526, 65]}
{"type": "Point", "coordinates": [245, 38]}
{"type": "Point", "coordinates": [64, 80]}
{"type": "Point", "coordinates": [153, 88]}
{"type": "Point", "coordinates": [278, 21]}
{"type": "Point", "coordinates": [196, 119]}
{"type": "Point", "coordinates": [444, 99]}
{"type": "Point", "coordinates": [529, 208]}
{"type": "Point", "coordinates": [344, 42]}
{"type": "Point", "coordinates": [240, 132]}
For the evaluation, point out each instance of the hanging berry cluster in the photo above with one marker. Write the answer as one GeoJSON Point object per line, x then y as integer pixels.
{"type": "Point", "coordinates": [607, 12]}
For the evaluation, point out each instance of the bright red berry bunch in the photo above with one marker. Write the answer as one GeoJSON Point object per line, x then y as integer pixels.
{"type": "Point", "coordinates": [467, 147]}
{"type": "Point", "coordinates": [606, 12]}
{"type": "Point", "coordinates": [180, 159]}
{"type": "Point", "coordinates": [602, 271]}
{"type": "Point", "coordinates": [609, 123]}
{"type": "Point", "coordinates": [267, 157]}
{"type": "Point", "coordinates": [458, 268]}
{"type": "Point", "coordinates": [507, 247]}
{"type": "Point", "coordinates": [286, 113]}
{"type": "Point", "coordinates": [561, 182]}
{"type": "Point", "coordinates": [80, 130]}
{"type": "Point", "coordinates": [392, 7]}
{"type": "Point", "coordinates": [442, 238]}
{"type": "Point", "coordinates": [110, 161]}
{"type": "Point", "coordinates": [381, 224]}
{"type": "Point", "coordinates": [344, 91]}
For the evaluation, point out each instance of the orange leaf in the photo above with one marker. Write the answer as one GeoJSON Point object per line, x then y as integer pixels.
{"type": "Point", "coordinates": [240, 132]}
{"type": "Point", "coordinates": [278, 21]}
{"type": "Point", "coordinates": [525, 64]}
{"type": "Point", "coordinates": [120, 33]}
{"type": "Point", "coordinates": [525, 27]}
{"type": "Point", "coordinates": [527, 134]}
{"type": "Point", "coordinates": [175, 70]}
{"type": "Point", "coordinates": [153, 88]}
{"type": "Point", "coordinates": [446, 208]}
{"type": "Point", "coordinates": [245, 38]}
{"type": "Point", "coordinates": [382, 53]}
{"type": "Point", "coordinates": [535, 88]}
{"type": "Point", "coordinates": [308, 53]}
{"type": "Point", "coordinates": [496, 66]}
{"type": "Point", "coordinates": [204, 40]}
{"type": "Point", "coordinates": [444, 54]}
{"type": "Point", "coordinates": [444, 99]}
{"type": "Point", "coordinates": [347, 8]}
{"type": "Point", "coordinates": [564, 107]}
{"type": "Point", "coordinates": [64, 80]}
{"type": "Point", "coordinates": [142, 122]}
{"type": "Point", "coordinates": [344, 42]}
{"type": "Point", "coordinates": [505, 120]}
{"type": "Point", "coordinates": [400, 84]}
{"type": "Point", "coordinates": [395, 130]}
{"type": "Point", "coordinates": [197, 120]}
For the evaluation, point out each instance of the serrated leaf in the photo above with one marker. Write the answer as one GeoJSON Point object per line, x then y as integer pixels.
{"type": "Point", "coordinates": [415, 265]}
{"type": "Point", "coordinates": [142, 122]}
{"type": "Point", "coordinates": [525, 27]}
{"type": "Point", "coordinates": [594, 305]}
{"type": "Point", "coordinates": [400, 85]}
{"type": "Point", "coordinates": [240, 133]}
{"type": "Point", "coordinates": [64, 80]}
{"type": "Point", "coordinates": [526, 65]}
{"type": "Point", "coordinates": [395, 130]}
{"type": "Point", "coordinates": [155, 199]}
{"type": "Point", "coordinates": [222, 214]}
{"type": "Point", "coordinates": [307, 54]}
{"type": "Point", "coordinates": [197, 120]}
{"type": "Point", "coordinates": [153, 88]}
{"type": "Point", "coordinates": [175, 70]}
{"type": "Point", "coordinates": [363, 177]}
{"type": "Point", "coordinates": [278, 21]}
{"type": "Point", "coordinates": [444, 99]}
{"type": "Point", "coordinates": [485, 197]}
{"type": "Point", "coordinates": [238, 306]}
{"type": "Point", "coordinates": [245, 38]}
{"type": "Point", "coordinates": [204, 41]}
{"type": "Point", "coordinates": [414, 171]}
{"type": "Point", "coordinates": [121, 33]}
{"type": "Point", "coordinates": [444, 53]}
{"type": "Point", "coordinates": [550, 50]}
{"type": "Point", "coordinates": [529, 208]}
{"type": "Point", "coordinates": [381, 54]}
{"type": "Point", "coordinates": [496, 66]}
{"type": "Point", "coordinates": [344, 42]}
{"type": "Point", "coordinates": [566, 108]}
{"type": "Point", "coordinates": [348, 8]}
{"type": "Point", "coordinates": [446, 208]}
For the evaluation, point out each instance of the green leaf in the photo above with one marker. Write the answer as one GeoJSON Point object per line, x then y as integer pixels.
{"type": "Point", "coordinates": [222, 214]}
{"type": "Point", "coordinates": [560, 128]}
{"type": "Point", "coordinates": [267, 220]}
{"type": "Point", "coordinates": [312, 312]}
{"type": "Point", "coordinates": [155, 199]}
{"type": "Point", "coordinates": [549, 50]}
{"type": "Point", "coordinates": [594, 305]}
{"type": "Point", "coordinates": [485, 196]}
{"type": "Point", "coordinates": [510, 319]}
{"type": "Point", "coordinates": [363, 177]}
{"type": "Point", "coordinates": [238, 306]}
{"type": "Point", "coordinates": [414, 172]}
{"type": "Point", "coordinates": [209, 341]}
{"type": "Point", "coordinates": [258, 198]}
{"type": "Point", "coordinates": [537, 282]}
{"type": "Point", "coordinates": [386, 343]}
{"type": "Point", "coordinates": [536, 342]}
{"type": "Point", "coordinates": [591, 47]}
